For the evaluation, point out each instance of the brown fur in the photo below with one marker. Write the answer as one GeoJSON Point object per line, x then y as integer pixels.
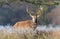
{"type": "Point", "coordinates": [24, 24]}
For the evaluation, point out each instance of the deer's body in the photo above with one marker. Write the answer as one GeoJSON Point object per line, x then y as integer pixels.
{"type": "Point", "coordinates": [25, 24]}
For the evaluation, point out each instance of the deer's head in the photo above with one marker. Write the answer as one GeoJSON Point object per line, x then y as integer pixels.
{"type": "Point", "coordinates": [37, 14]}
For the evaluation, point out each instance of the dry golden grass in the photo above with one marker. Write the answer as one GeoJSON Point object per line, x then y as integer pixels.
{"type": "Point", "coordinates": [37, 34]}
{"type": "Point", "coordinates": [31, 35]}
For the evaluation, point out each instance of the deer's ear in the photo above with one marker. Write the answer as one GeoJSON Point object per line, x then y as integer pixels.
{"type": "Point", "coordinates": [38, 15]}
{"type": "Point", "coordinates": [39, 12]}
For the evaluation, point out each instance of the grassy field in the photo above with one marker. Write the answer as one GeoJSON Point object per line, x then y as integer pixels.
{"type": "Point", "coordinates": [42, 33]}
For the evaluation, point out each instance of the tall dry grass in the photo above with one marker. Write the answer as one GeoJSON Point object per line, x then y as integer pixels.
{"type": "Point", "coordinates": [47, 33]}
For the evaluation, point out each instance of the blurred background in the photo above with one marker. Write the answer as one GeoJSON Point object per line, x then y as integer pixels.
{"type": "Point", "coordinates": [12, 11]}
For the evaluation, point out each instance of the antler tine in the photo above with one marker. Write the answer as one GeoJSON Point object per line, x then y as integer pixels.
{"type": "Point", "coordinates": [41, 8]}
{"type": "Point", "coordinates": [28, 11]}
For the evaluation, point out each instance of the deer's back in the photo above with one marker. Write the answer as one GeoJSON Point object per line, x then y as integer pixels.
{"type": "Point", "coordinates": [24, 24]}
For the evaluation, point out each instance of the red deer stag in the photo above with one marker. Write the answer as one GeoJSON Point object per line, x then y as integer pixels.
{"type": "Point", "coordinates": [28, 24]}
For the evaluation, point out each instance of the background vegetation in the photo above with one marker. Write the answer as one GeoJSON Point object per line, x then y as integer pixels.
{"type": "Point", "coordinates": [12, 11]}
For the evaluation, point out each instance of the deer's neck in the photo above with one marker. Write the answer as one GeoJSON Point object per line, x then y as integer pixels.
{"type": "Point", "coordinates": [33, 19]}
